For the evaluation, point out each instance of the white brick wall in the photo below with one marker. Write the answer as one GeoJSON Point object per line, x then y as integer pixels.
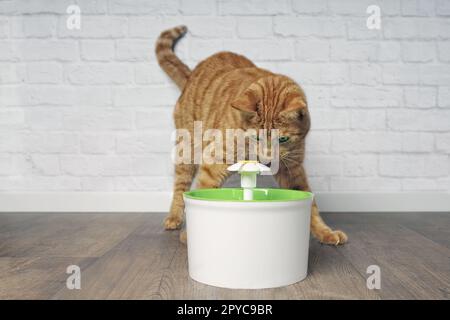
{"type": "Point", "coordinates": [90, 110]}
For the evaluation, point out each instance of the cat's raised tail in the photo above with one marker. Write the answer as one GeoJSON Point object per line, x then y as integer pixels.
{"type": "Point", "coordinates": [169, 62]}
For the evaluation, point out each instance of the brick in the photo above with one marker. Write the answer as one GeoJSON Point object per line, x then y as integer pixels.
{"type": "Point", "coordinates": [149, 73]}
{"type": "Point", "coordinates": [116, 166]}
{"type": "Point", "coordinates": [11, 118]}
{"type": "Point", "coordinates": [419, 184]}
{"type": "Point", "coordinates": [145, 96]}
{"type": "Point", "coordinates": [413, 165]}
{"type": "Point", "coordinates": [419, 120]}
{"type": "Point", "coordinates": [4, 27]}
{"type": "Point", "coordinates": [93, 96]}
{"type": "Point", "coordinates": [201, 49]}
{"type": "Point", "coordinates": [431, 74]}
{"type": "Point", "coordinates": [307, 27]}
{"type": "Point", "coordinates": [444, 51]}
{"type": "Point", "coordinates": [11, 73]}
{"type": "Point", "coordinates": [317, 96]}
{"type": "Point", "coordinates": [420, 97]}
{"type": "Point", "coordinates": [98, 143]}
{"type": "Point", "coordinates": [38, 26]}
{"type": "Point", "coordinates": [55, 50]}
{"type": "Point", "coordinates": [95, 27]}
{"type": "Point", "coordinates": [38, 6]}
{"type": "Point", "coordinates": [357, 30]}
{"type": "Point", "coordinates": [443, 142]}
{"type": "Point", "coordinates": [49, 143]}
{"type": "Point", "coordinates": [253, 7]}
{"type": "Point", "coordinates": [11, 142]}
{"type": "Point", "coordinates": [158, 141]}
{"type": "Point", "coordinates": [349, 7]}
{"type": "Point", "coordinates": [353, 51]}
{"type": "Point", "coordinates": [97, 50]}
{"type": "Point", "coordinates": [211, 27]}
{"type": "Point", "coordinates": [365, 74]}
{"type": "Point", "coordinates": [412, 28]}
{"type": "Point", "coordinates": [55, 184]}
{"type": "Point", "coordinates": [156, 165]}
{"type": "Point", "coordinates": [366, 97]}
{"type": "Point", "coordinates": [96, 74]}
{"type": "Point", "coordinates": [318, 142]}
{"type": "Point", "coordinates": [155, 118]}
{"type": "Point", "coordinates": [418, 52]}
{"type": "Point", "coordinates": [360, 165]}
{"type": "Point", "coordinates": [198, 7]}
{"type": "Point", "coordinates": [444, 97]}
{"type": "Point", "coordinates": [340, 184]}
{"type": "Point", "coordinates": [316, 74]}
{"type": "Point", "coordinates": [388, 51]}
{"type": "Point", "coordinates": [98, 119]}
{"type": "Point", "coordinates": [151, 26]}
{"type": "Point", "coordinates": [323, 165]}
{"type": "Point", "coordinates": [417, 142]}
{"type": "Point", "coordinates": [82, 165]}
{"type": "Point", "coordinates": [43, 118]}
{"type": "Point", "coordinates": [139, 7]}
{"type": "Point", "coordinates": [368, 119]}
{"type": "Point", "coordinates": [44, 72]}
{"type": "Point", "coordinates": [254, 27]}
{"type": "Point", "coordinates": [134, 50]}
{"type": "Point", "coordinates": [421, 8]}
{"type": "Point", "coordinates": [6, 165]}
{"type": "Point", "coordinates": [143, 183]}
{"type": "Point", "coordinates": [93, 7]}
{"type": "Point", "coordinates": [312, 50]}
{"type": "Point", "coordinates": [401, 74]}
{"type": "Point", "coordinates": [8, 51]}
{"type": "Point", "coordinates": [329, 119]}
{"type": "Point", "coordinates": [45, 165]}
{"type": "Point", "coordinates": [380, 141]}
{"type": "Point", "coordinates": [49, 95]}
{"type": "Point", "coordinates": [442, 8]}
{"type": "Point", "coordinates": [310, 7]}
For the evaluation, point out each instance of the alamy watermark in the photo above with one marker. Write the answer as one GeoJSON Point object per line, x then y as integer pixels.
{"type": "Point", "coordinates": [374, 280]}
{"type": "Point", "coordinates": [74, 280]}
{"type": "Point", "coordinates": [215, 146]}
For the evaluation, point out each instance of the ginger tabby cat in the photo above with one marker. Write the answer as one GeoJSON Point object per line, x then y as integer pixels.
{"type": "Point", "coordinates": [227, 90]}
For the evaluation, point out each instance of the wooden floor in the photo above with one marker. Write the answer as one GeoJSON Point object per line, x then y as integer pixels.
{"type": "Point", "coordinates": [129, 256]}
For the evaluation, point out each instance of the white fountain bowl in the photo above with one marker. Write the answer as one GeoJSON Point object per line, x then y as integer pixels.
{"type": "Point", "coordinates": [255, 244]}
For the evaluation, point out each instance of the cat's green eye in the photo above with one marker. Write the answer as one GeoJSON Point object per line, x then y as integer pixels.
{"type": "Point", "coordinates": [283, 139]}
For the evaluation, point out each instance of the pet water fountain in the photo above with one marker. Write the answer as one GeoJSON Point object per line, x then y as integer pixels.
{"type": "Point", "coordinates": [248, 237]}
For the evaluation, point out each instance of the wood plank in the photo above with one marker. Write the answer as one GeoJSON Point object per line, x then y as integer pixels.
{"type": "Point", "coordinates": [412, 266]}
{"type": "Point", "coordinates": [132, 269]}
{"type": "Point", "coordinates": [35, 278]}
{"type": "Point", "coordinates": [72, 235]}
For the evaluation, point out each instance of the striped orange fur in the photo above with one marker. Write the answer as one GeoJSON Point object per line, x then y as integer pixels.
{"type": "Point", "coordinates": [227, 91]}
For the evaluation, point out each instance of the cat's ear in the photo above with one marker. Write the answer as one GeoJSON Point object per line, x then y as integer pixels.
{"type": "Point", "coordinates": [245, 102]}
{"type": "Point", "coordinates": [295, 104]}
{"type": "Point", "coordinates": [295, 108]}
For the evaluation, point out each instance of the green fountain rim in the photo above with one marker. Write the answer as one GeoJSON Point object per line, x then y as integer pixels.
{"type": "Point", "coordinates": [234, 195]}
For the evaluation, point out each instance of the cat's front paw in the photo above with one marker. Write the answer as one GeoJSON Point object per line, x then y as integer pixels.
{"type": "Point", "coordinates": [331, 237]}
{"type": "Point", "coordinates": [172, 222]}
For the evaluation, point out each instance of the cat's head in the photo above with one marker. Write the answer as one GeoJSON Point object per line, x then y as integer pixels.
{"type": "Point", "coordinates": [276, 102]}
